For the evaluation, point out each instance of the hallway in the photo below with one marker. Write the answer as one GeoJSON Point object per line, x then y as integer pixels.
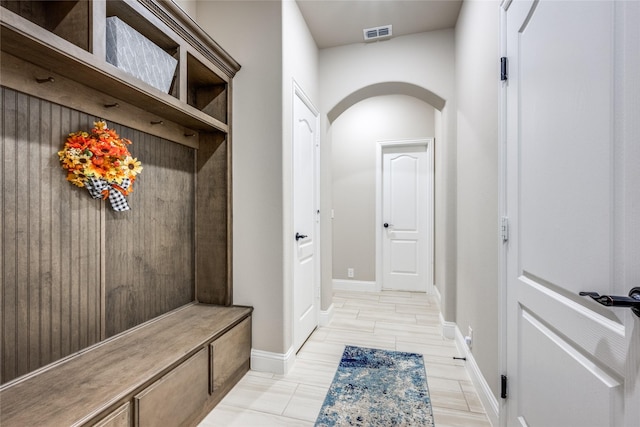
{"type": "Point", "coordinates": [388, 320]}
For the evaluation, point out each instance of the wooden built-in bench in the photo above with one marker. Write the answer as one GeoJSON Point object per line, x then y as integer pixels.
{"type": "Point", "coordinates": [169, 371]}
{"type": "Point", "coordinates": [80, 340]}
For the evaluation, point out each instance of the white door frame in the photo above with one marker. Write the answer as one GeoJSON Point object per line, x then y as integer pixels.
{"type": "Point", "coordinates": [381, 145]}
{"type": "Point", "coordinates": [299, 93]}
{"type": "Point", "coordinates": [499, 406]}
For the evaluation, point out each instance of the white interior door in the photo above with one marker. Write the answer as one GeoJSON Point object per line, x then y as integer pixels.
{"type": "Point", "coordinates": [573, 204]}
{"type": "Point", "coordinates": [406, 241]}
{"type": "Point", "coordinates": [305, 221]}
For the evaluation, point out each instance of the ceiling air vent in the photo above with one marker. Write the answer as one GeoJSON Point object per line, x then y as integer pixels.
{"type": "Point", "coordinates": [377, 33]}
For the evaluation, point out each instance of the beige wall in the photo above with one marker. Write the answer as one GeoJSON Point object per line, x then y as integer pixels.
{"type": "Point", "coordinates": [300, 65]}
{"type": "Point", "coordinates": [477, 70]}
{"type": "Point", "coordinates": [273, 45]}
{"type": "Point", "coordinates": [425, 61]}
{"type": "Point", "coordinates": [189, 6]}
{"type": "Point", "coordinates": [265, 37]}
{"type": "Point", "coordinates": [251, 31]}
{"type": "Point", "coordinates": [354, 143]}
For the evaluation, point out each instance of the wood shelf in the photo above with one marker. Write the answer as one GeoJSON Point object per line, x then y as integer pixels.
{"type": "Point", "coordinates": [203, 108]}
{"type": "Point", "coordinates": [205, 90]}
{"type": "Point", "coordinates": [66, 19]}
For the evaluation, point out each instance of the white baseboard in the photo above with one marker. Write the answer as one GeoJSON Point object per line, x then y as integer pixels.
{"type": "Point", "coordinates": [436, 292]}
{"type": "Point", "coordinates": [451, 331]}
{"type": "Point", "coordinates": [488, 399]}
{"type": "Point", "coordinates": [355, 285]}
{"type": "Point", "coordinates": [276, 363]}
{"type": "Point", "coordinates": [326, 316]}
{"type": "Point", "coordinates": [448, 328]}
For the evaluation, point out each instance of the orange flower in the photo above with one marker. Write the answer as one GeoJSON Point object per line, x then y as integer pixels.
{"type": "Point", "coordinates": [79, 140]}
{"type": "Point", "coordinates": [101, 154]}
{"type": "Point", "coordinates": [100, 171]}
{"type": "Point", "coordinates": [97, 160]}
{"type": "Point", "coordinates": [102, 148]}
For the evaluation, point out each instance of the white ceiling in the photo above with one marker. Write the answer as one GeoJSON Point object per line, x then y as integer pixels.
{"type": "Point", "coordinates": [339, 22]}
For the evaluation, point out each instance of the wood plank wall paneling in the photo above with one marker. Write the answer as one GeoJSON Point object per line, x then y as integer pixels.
{"type": "Point", "coordinates": [150, 249]}
{"type": "Point", "coordinates": [50, 240]}
{"type": "Point", "coordinates": [52, 261]}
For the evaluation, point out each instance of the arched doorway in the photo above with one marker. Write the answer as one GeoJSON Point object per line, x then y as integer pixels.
{"type": "Point", "coordinates": [356, 136]}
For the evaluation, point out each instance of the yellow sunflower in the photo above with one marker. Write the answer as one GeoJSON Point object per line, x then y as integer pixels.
{"type": "Point", "coordinates": [68, 162]}
{"type": "Point", "coordinates": [113, 174]}
{"type": "Point", "coordinates": [76, 179]}
{"type": "Point", "coordinates": [83, 160]}
{"type": "Point", "coordinates": [93, 171]}
{"type": "Point", "coordinates": [132, 166]}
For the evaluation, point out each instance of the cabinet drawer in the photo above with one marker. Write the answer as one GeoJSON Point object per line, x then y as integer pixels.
{"type": "Point", "coordinates": [175, 398]}
{"type": "Point", "coordinates": [121, 417]}
{"type": "Point", "coordinates": [229, 354]}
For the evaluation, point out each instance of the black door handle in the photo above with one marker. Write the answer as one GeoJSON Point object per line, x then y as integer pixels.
{"type": "Point", "coordinates": [300, 236]}
{"type": "Point", "coordinates": [387, 225]}
{"type": "Point", "coordinates": [632, 301]}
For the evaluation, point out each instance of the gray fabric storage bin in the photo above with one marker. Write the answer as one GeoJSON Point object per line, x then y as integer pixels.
{"type": "Point", "coordinates": [130, 51]}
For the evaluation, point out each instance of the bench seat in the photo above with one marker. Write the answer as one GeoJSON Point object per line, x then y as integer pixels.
{"type": "Point", "coordinates": [196, 349]}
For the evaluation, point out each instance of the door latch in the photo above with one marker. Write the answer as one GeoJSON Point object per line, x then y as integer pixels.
{"type": "Point", "coordinates": [632, 301]}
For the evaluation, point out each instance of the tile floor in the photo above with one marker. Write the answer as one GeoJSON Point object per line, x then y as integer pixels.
{"type": "Point", "coordinates": [402, 321]}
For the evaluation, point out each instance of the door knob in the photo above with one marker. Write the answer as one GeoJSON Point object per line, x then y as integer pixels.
{"type": "Point", "coordinates": [387, 225]}
{"type": "Point", "coordinates": [300, 236]}
{"type": "Point", "coordinates": [632, 301]}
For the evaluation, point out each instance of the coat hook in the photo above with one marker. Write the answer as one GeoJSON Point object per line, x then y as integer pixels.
{"type": "Point", "coordinates": [159, 122]}
{"type": "Point", "coordinates": [48, 79]}
{"type": "Point", "coordinates": [115, 104]}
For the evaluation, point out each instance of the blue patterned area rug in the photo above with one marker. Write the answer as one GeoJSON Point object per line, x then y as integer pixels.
{"type": "Point", "coordinates": [377, 388]}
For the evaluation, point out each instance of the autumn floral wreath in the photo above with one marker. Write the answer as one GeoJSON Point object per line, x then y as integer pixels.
{"type": "Point", "coordinates": [101, 162]}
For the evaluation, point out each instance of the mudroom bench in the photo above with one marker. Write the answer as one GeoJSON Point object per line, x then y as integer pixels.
{"type": "Point", "coordinates": [116, 318]}
{"type": "Point", "coordinates": [169, 371]}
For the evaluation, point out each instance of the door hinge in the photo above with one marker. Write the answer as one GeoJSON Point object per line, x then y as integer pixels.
{"type": "Point", "coordinates": [504, 229]}
{"type": "Point", "coordinates": [504, 71]}
{"type": "Point", "coordinates": [503, 386]}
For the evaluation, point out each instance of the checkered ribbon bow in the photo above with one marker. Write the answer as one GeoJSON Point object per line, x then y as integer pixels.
{"type": "Point", "coordinates": [99, 188]}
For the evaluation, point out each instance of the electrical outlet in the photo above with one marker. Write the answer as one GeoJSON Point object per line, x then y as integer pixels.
{"type": "Point", "coordinates": [350, 273]}
{"type": "Point", "coordinates": [469, 338]}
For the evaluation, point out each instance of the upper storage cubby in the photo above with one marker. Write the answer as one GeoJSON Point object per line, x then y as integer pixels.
{"type": "Point", "coordinates": [67, 19]}
{"type": "Point", "coordinates": [206, 91]}
{"type": "Point", "coordinates": [140, 49]}
{"type": "Point", "coordinates": [145, 53]}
